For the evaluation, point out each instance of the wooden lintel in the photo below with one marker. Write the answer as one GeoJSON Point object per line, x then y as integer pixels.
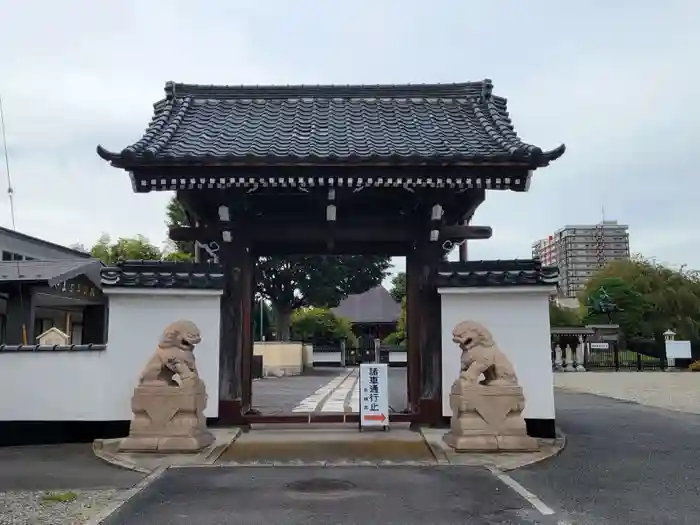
{"type": "Point", "coordinates": [283, 249]}
{"type": "Point", "coordinates": [297, 233]}
{"type": "Point", "coordinates": [460, 233]}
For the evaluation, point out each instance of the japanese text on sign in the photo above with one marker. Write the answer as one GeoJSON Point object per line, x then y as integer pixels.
{"type": "Point", "coordinates": [374, 399]}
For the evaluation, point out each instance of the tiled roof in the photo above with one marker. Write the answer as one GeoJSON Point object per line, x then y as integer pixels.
{"type": "Point", "coordinates": [51, 271]}
{"type": "Point", "coordinates": [373, 306]}
{"type": "Point", "coordinates": [514, 272]}
{"type": "Point", "coordinates": [35, 240]}
{"type": "Point", "coordinates": [400, 124]}
{"type": "Point", "coordinates": [163, 274]}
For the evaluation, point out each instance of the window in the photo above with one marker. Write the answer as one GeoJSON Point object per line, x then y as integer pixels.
{"type": "Point", "coordinates": [12, 256]}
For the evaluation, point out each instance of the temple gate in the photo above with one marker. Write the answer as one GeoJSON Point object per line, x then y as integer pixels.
{"type": "Point", "coordinates": [390, 170]}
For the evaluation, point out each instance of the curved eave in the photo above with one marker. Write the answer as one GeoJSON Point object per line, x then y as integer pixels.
{"type": "Point", "coordinates": [530, 159]}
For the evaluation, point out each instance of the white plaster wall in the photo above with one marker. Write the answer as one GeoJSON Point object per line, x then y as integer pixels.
{"type": "Point", "coordinates": [97, 386]}
{"type": "Point", "coordinates": [518, 318]}
{"type": "Point", "coordinates": [53, 387]}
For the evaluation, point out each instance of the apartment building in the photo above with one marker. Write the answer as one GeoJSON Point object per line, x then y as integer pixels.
{"type": "Point", "coordinates": [580, 250]}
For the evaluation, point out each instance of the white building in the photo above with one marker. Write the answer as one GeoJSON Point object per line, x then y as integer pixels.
{"type": "Point", "coordinates": [581, 250]}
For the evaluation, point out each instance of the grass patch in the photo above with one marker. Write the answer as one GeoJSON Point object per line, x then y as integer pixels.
{"type": "Point", "coordinates": [59, 497]}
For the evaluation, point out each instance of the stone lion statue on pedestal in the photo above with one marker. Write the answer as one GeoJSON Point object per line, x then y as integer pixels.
{"type": "Point", "coordinates": [170, 398]}
{"type": "Point", "coordinates": [487, 415]}
{"type": "Point", "coordinates": [480, 355]}
{"type": "Point", "coordinates": [173, 356]}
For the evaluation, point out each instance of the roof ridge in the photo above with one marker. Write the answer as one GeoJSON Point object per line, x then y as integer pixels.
{"type": "Point", "coordinates": [481, 88]}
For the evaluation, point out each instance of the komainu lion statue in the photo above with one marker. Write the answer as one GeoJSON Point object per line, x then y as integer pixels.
{"type": "Point", "coordinates": [173, 356]}
{"type": "Point", "coordinates": [169, 401]}
{"type": "Point", "coordinates": [480, 355]}
{"type": "Point", "coordinates": [486, 416]}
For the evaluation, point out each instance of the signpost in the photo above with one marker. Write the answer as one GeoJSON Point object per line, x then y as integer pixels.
{"type": "Point", "coordinates": [600, 346]}
{"type": "Point", "coordinates": [374, 396]}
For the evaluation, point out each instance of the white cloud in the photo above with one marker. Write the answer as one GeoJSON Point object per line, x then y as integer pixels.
{"type": "Point", "coordinates": [615, 81]}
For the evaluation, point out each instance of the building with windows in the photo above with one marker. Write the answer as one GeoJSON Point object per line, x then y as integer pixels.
{"type": "Point", "coordinates": [580, 250]}
{"type": "Point", "coordinates": [45, 285]}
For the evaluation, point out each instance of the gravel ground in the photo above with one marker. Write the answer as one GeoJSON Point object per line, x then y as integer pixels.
{"type": "Point", "coordinates": [671, 390]}
{"type": "Point", "coordinates": [32, 507]}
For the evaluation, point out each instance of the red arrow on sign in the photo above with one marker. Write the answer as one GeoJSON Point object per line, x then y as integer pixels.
{"type": "Point", "coordinates": [375, 417]}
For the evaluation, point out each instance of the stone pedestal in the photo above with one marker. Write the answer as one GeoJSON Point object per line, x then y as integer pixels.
{"type": "Point", "coordinates": [168, 419]}
{"type": "Point", "coordinates": [488, 418]}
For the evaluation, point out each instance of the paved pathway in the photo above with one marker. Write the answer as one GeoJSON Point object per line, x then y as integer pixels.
{"type": "Point", "coordinates": [274, 395]}
{"type": "Point", "coordinates": [672, 390]}
{"type": "Point", "coordinates": [342, 393]}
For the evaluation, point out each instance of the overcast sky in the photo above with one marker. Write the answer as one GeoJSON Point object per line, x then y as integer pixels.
{"type": "Point", "coordinates": [617, 81]}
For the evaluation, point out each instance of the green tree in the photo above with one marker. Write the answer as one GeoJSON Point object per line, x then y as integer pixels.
{"type": "Point", "coordinates": [398, 286]}
{"type": "Point", "coordinates": [652, 297]}
{"type": "Point", "coordinates": [294, 282]}
{"type": "Point", "coordinates": [560, 316]}
{"type": "Point", "coordinates": [320, 325]}
{"type": "Point", "coordinates": [399, 336]}
{"type": "Point", "coordinates": [125, 249]}
{"type": "Point", "coordinates": [176, 216]}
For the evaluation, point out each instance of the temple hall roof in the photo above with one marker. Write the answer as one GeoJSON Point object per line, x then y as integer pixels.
{"type": "Point", "coordinates": [414, 124]}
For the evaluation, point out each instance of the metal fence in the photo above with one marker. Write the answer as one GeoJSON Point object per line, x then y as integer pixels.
{"type": "Point", "coordinates": [615, 359]}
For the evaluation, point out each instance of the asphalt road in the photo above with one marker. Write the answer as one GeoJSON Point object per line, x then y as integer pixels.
{"type": "Point", "coordinates": [54, 467]}
{"type": "Point", "coordinates": [340, 496]}
{"type": "Point", "coordinates": [624, 464]}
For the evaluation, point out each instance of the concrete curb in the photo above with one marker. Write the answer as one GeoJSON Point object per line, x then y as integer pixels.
{"type": "Point", "coordinates": [100, 451]}
{"type": "Point", "coordinates": [504, 462]}
{"type": "Point", "coordinates": [118, 501]}
{"type": "Point", "coordinates": [206, 457]}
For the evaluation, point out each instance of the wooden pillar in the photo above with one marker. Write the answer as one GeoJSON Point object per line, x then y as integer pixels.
{"type": "Point", "coordinates": [235, 339]}
{"type": "Point", "coordinates": [413, 327]}
{"type": "Point", "coordinates": [247, 336]}
{"type": "Point", "coordinates": [423, 325]}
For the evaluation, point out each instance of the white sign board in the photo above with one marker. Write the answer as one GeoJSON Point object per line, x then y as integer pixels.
{"type": "Point", "coordinates": [374, 395]}
{"type": "Point", "coordinates": [600, 346]}
{"type": "Point", "coordinates": [678, 350]}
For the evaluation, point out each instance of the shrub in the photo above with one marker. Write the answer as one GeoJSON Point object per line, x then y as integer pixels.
{"type": "Point", "coordinates": [321, 325]}
{"type": "Point", "coordinates": [695, 367]}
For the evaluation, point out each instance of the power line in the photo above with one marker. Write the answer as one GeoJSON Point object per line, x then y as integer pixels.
{"type": "Point", "coordinates": [10, 191]}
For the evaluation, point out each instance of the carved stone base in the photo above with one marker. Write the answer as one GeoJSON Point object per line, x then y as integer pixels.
{"type": "Point", "coordinates": [168, 419]}
{"type": "Point", "coordinates": [488, 418]}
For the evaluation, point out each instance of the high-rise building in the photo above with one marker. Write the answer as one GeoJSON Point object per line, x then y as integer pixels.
{"type": "Point", "coordinates": [580, 250]}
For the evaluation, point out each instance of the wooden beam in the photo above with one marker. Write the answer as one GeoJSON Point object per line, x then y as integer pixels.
{"type": "Point", "coordinates": [322, 233]}
{"type": "Point", "coordinates": [282, 249]}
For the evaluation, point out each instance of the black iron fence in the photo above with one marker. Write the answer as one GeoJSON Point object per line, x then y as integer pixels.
{"type": "Point", "coordinates": [615, 359]}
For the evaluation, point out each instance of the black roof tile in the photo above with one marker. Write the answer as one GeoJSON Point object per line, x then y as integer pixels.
{"type": "Point", "coordinates": [515, 272]}
{"type": "Point", "coordinates": [401, 124]}
{"type": "Point", "coordinates": [50, 271]}
{"type": "Point", "coordinates": [163, 274]}
{"type": "Point", "coordinates": [374, 306]}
